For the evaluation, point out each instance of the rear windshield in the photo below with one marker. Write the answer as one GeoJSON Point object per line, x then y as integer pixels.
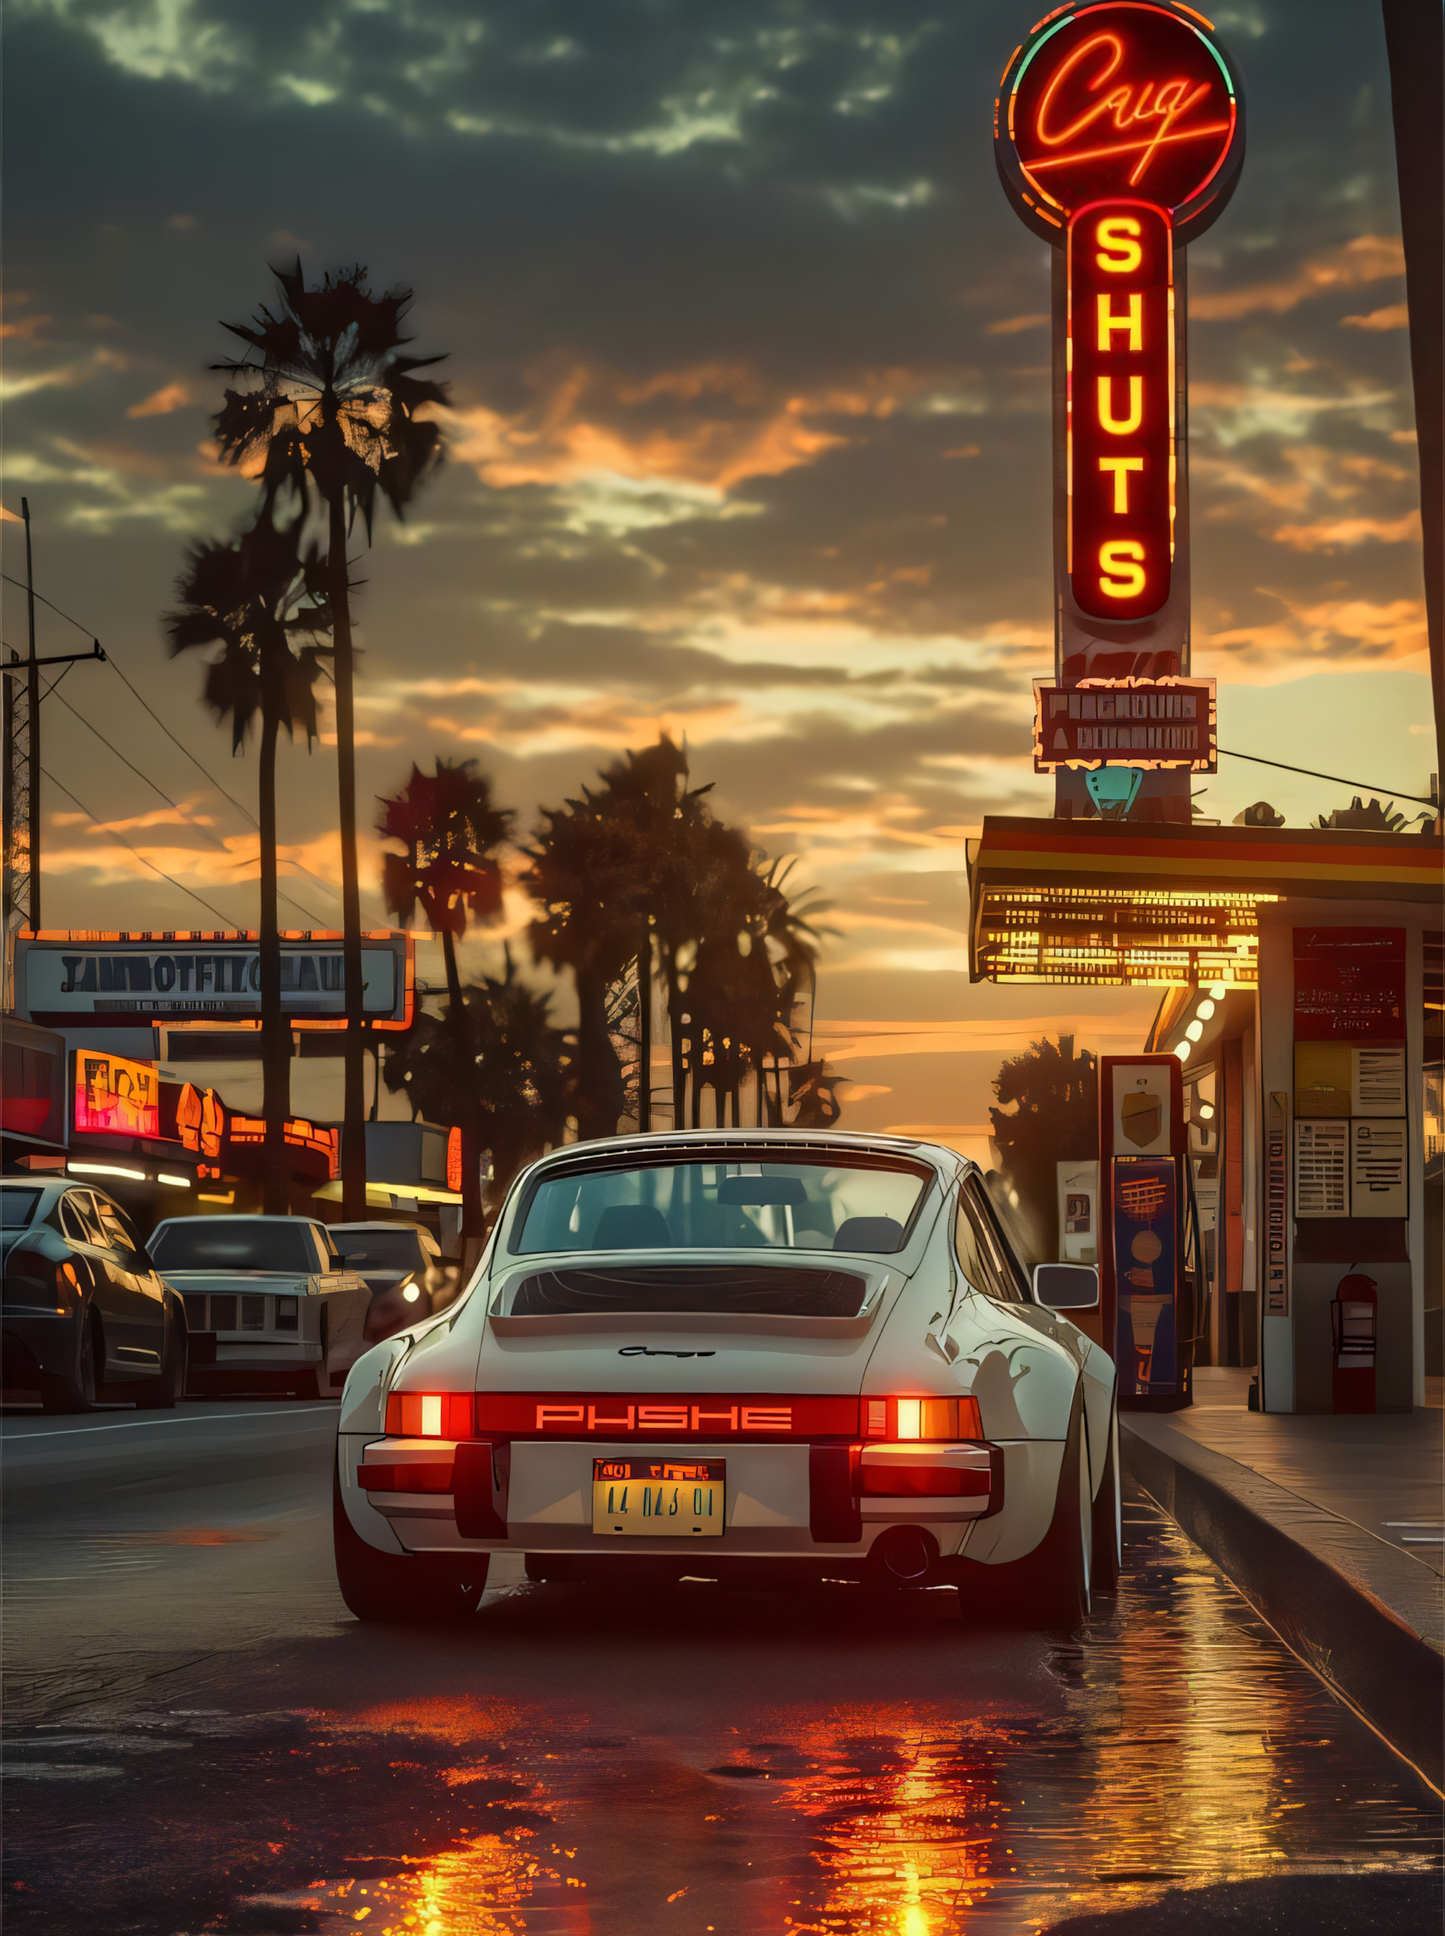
{"type": "Point", "coordinates": [378, 1249]}
{"type": "Point", "coordinates": [728, 1204]}
{"type": "Point", "coordinates": [232, 1243]}
{"type": "Point", "coordinates": [770, 1290]}
{"type": "Point", "coordinates": [17, 1207]}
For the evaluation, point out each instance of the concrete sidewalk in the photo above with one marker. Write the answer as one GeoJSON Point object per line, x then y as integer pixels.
{"type": "Point", "coordinates": [1330, 1527]}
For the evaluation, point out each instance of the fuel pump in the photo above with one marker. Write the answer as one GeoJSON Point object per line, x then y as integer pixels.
{"type": "Point", "coordinates": [1146, 1207]}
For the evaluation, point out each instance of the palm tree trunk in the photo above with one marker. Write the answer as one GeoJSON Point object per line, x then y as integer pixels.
{"type": "Point", "coordinates": [353, 1128]}
{"type": "Point", "coordinates": [599, 1086]}
{"type": "Point", "coordinates": [679, 1050]}
{"type": "Point", "coordinates": [455, 1005]}
{"type": "Point", "coordinates": [275, 1030]}
{"type": "Point", "coordinates": [644, 1031]}
{"type": "Point", "coordinates": [474, 1215]}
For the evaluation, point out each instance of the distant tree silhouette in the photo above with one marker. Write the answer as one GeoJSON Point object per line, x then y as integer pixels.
{"type": "Point", "coordinates": [255, 598]}
{"type": "Point", "coordinates": [639, 880]}
{"type": "Point", "coordinates": [500, 1073]}
{"type": "Point", "coordinates": [451, 832]}
{"type": "Point", "coordinates": [330, 406]}
{"type": "Point", "coordinates": [1055, 1119]}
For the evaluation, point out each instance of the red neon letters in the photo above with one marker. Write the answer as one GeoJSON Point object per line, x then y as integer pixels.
{"type": "Point", "coordinates": [1121, 409]}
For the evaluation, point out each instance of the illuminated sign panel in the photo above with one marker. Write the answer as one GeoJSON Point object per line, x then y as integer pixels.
{"type": "Point", "coordinates": [84, 978]}
{"type": "Point", "coordinates": [1151, 723]}
{"type": "Point", "coordinates": [1121, 409]}
{"type": "Point", "coordinates": [115, 1096]}
{"type": "Point", "coordinates": [1124, 99]}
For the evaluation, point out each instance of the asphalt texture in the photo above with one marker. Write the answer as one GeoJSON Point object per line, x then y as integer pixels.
{"type": "Point", "coordinates": [200, 1738]}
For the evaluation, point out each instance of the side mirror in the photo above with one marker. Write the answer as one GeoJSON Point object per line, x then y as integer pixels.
{"type": "Point", "coordinates": [1067, 1287]}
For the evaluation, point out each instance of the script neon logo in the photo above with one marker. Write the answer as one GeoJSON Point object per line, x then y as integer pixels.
{"type": "Point", "coordinates": [1145, 115]}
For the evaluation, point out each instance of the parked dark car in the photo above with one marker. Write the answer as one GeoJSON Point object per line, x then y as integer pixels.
{"type": "Point", "coordinates": [85, 1315]}
{"type": "Point", "coordinates": [404, 1270]}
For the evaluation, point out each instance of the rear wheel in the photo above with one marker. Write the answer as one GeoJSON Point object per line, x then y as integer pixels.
{"type": "Point", "coordinates": [1048, 1588]}
{"type": "Point", "coordinates": [73, 1390]}
{"type": "Point", "coordinates": [402, 1588]}
{"type": "Point", "coordinates": [163, 1394]}
{"type": "Point", "coordinates": [1108, 1518]}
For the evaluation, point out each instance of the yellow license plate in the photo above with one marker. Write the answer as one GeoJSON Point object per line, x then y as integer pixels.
{"type": "Point", "coordinates": [659, 1498]}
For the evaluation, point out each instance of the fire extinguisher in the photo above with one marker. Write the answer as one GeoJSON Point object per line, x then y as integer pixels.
{"type": "Point", "coordinates": [1352, 1321]}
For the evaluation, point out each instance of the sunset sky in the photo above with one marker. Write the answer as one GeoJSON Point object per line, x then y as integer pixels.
{"type": "Point", "coordinates": [750, 443]}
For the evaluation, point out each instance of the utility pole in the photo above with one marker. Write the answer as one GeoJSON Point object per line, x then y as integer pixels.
{"type": "Point", "coordinates": [22, 778]}
{"type": "Point", "coordinates": [32, 704]}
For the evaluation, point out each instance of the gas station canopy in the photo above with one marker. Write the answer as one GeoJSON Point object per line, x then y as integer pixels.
{"type": "Point", "coordinates": [1123, 904]}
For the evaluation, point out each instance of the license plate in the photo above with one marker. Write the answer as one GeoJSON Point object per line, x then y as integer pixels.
{"type": "Point", "coordinates": [659, 1498]}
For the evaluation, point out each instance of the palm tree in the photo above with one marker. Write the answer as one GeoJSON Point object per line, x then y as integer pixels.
{"type": "Point", "coordinates": [253, 598]}
{"type": "Point", "coordinates": [451, 831]}
{"type": "Point", "coordinates": [331, 402]}
{"type": "Point", "coordinates": [501, 1074]}
{"type": "Point", "coordinates": [589, 873]}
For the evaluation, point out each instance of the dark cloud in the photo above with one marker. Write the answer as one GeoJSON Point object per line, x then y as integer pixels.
{"type": "Point", "coordinates": [738, 447]}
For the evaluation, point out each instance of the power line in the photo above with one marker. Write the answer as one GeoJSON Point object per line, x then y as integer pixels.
{"type": "Point", "coordinates": [20, 586]}
{"type": "Point", "coordinates": [200, 898]}
{"type": "Point", "coordinates": [1365, 786]}
{"type": "Point", "coordinates": [244, 812]}
{"type": "Point", "coordinates": [175, 806]}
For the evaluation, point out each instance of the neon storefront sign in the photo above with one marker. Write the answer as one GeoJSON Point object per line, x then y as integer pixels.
{"type": "Point", "coordinates": [1118, 133]}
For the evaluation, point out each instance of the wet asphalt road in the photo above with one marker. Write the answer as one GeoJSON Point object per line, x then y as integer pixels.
{"type": "Point", "coordinates": [200, 1738]}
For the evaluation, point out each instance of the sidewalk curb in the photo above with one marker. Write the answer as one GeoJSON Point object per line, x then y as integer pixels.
{"type": "Point", "coordinates": [1312, 1576]}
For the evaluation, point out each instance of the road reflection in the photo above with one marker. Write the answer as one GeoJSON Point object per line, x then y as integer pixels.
{"type": "Point", "coordinates": [586, 1767]}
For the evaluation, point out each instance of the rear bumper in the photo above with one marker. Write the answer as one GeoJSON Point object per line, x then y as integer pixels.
{"type": "Point", "coordinates": [794, 1501]}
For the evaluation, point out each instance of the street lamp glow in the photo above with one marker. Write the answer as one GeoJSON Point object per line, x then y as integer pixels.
{"type": "Point", "coordinates": [1182, 1049]}
{"type": "Point", "coordinates": [1204, 1011]}
{"type": "Point", "coordinates": [1218, 992]}
{"type": "Point", "coordinates": [1194, 1031]}
{"type": "Point", "coordinates": [105, 1169]}
{"type": "Point", "coordinates": [176, 1182]}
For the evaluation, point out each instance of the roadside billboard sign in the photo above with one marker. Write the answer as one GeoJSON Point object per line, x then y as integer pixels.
{"type": "Point", "coordinates": [88, 979]}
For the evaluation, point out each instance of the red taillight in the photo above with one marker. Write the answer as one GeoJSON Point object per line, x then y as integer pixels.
{"type": "Point", "coordinates": [913, 1419]}
{"type": "Point", "coordinates": [413, 1477]}
{"type": "Point", "coordinates": [922, 1482]}
{"type": "Point", "coordinates": [431, 1415]}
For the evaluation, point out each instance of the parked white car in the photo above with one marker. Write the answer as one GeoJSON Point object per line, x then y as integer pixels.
{"type": "Point", "coordinates": [269, 1304]}
{"type": "Point", "coordinates": [745, 1355]}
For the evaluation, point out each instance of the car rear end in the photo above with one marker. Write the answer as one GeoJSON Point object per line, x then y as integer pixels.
{"type": "Point", "coordinates": [42, 1290]}
{"type": "Point", "coordinates": [708, 1414]}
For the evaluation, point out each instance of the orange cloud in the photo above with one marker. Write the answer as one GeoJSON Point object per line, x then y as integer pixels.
{"type": "Point", "coordinates": [1354, 635]}
{"type": "Point", "coordinates": [729, 426]}
{"type": "Point", "coordinates": [1011, 325]}
{"type": "Point", "coordinates": [1329, 534]}
{"type": "Point", "coordinates": [1394, 316]}
{"type": "Point", "coordinates": [160, 403]}
{"type": "Point", "coordinates": [1369, 258]}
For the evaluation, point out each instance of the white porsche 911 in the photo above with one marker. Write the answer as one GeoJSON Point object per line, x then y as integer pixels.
{"type": "Point", "coordinates": [764, 1356]}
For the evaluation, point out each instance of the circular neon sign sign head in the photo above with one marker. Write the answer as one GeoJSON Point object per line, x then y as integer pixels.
{"type": "Point", "coordinates": [1124, 100]}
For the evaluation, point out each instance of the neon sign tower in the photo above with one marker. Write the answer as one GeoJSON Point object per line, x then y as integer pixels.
{"type": "Point", "coordinates": [1119, 135]}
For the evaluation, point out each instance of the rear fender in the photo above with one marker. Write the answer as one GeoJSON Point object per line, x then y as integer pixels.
{"type": "Point", "coordinates": [1031, 1485]}
{"type": "Point", "coordinates": [366, 1522]}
